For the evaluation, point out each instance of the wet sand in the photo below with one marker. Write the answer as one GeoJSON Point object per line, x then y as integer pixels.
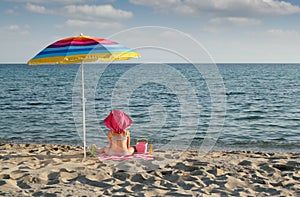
{"type": "Point", "coordinates": [59, 170]}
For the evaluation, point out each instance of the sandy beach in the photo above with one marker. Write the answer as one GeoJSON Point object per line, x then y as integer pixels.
{"type": "Point", "coordinates": [59, 170]}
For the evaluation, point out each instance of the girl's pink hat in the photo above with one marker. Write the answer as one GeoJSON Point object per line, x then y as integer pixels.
{"type": "Point", "coordinates": [117, 121]}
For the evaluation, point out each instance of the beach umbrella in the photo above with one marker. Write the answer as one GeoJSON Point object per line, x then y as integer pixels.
{"type": "Point", "coordinates": [81, 49]}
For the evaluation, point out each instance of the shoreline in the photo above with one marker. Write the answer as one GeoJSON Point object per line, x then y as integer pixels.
{"type": "Point", "coordinates": [40, 169]}
{"type": "Point", "coordinates": [216, 147]}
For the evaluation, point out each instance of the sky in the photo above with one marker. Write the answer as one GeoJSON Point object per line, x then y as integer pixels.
{"type": "Point", "coordinates": [222, 31]}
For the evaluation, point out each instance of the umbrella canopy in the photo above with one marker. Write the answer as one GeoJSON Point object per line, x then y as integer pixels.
{"type": "Point", "coordinates": [117, 121]}
{"type": "Point", "coordinates": [80, 49]}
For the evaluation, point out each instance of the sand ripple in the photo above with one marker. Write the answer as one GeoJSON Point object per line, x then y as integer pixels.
{"type": "Point", "coordinates": [40, 170]}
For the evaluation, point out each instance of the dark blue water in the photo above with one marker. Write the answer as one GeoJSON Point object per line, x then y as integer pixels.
{"type": "Point", "coordinates": [42, 104]}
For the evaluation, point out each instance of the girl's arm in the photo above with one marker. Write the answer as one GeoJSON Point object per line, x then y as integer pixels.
{"type": "Point", "coordinates": [109, 138]}
{"type": "Point", "coordinates": [128, 139]}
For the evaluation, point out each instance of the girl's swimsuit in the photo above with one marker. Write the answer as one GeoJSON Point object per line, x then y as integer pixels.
{"type": "Point", "coordinates": [119, 138]}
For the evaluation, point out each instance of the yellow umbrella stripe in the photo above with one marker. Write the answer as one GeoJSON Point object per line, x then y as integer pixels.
{"type": "Point", "coordinates": [73, 59]}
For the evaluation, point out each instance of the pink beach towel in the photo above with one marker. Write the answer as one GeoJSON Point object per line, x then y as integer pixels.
{"type": "Point", "coordinates": [145, 156]}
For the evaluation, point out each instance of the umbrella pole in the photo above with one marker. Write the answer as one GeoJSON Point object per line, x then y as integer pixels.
{"type": "Point", "coordinates": [83, 110]}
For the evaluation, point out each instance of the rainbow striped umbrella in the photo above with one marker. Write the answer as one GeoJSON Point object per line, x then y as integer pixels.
{"type": "Point", "coordinates": [80, 49]}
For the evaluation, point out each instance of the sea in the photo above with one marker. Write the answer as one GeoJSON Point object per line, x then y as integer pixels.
{"type": "Point", "coordinates": [252, 107]}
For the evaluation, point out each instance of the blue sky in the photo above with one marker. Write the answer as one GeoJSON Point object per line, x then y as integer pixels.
{"type": "Point", "coordinates": [234, 31]}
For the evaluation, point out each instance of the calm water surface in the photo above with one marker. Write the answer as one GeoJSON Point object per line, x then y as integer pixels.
{"type": "Point", "coordinates": [42, 104]}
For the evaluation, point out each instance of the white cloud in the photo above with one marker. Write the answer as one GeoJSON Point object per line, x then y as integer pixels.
{"type": "Point", "coordinates": [84, 16]}
{"type": "Point", "coordinates": [37, 9]}
{"type": "Point", "coordinates": [239, 21]}
{"type": "Point", "coordinates": [12, 27]}
{"type": "Point", "coordinates": [93, 24]}
{"type": "Point", "coordinates": [157, 3]}
{"type": "Point", "coordinates": [15, 29]}
{"type": "Point", "coordinates": [92, 11]}
{"type": "Point", "coordinates": [223, 24]}
{"type": "Point", "coordinates": [281, 32]}
{"type": "Point", "coordinates": [10, 12]}
{"type": "Point", "coordinates": [223, 7]}
{"type": "Point", "coordinates": [52, 1]}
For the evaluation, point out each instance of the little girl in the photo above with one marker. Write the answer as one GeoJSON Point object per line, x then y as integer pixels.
{"type": "Point", "coordinates": [118, 137]}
